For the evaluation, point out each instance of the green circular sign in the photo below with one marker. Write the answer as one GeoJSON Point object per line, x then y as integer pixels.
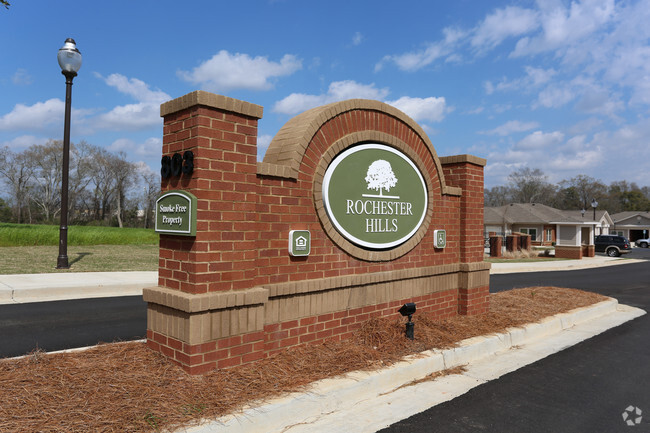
{"type": "Point", "coordinates": [375, 196]}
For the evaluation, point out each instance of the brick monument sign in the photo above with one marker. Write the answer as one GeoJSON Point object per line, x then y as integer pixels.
{"type": "Point", "coordinates": [350, 215]}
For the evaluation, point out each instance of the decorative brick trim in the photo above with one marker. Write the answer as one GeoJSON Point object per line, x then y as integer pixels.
{"type": "Point", "coordinates": [318, 285]}
{"type": "Point", "coordinates": [195, 303]}
{"type": "Point", "coordinates": [290, 143]}
{"type": "Point", "coordinates": [275, 170]}
{"type": "Point", "coordinates": [455, 159]}
{"type": "Point", "coordinates": [452, 190]}
{"type": "Point", "coordinates": [475, 266]}
{"type": "Point", "coordinates": [220, 102]}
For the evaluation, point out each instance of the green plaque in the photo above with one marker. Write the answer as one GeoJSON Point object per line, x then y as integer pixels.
{"type": "Point", "coordinates": [299, 243]}
{"type": "Point", "coordinates": [176, 213]}
{"type": "Point", "coordinates": [440, 238]}
{"type": "Point", "coordinates": [375, 196]}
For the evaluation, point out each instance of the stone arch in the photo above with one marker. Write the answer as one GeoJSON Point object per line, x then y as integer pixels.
{"type": "Point", "coordinates": [288, 147]}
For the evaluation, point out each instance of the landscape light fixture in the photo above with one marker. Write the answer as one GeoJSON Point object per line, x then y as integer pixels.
{"type": "Point", "coordinates": [594, 204]}
{"type": "Point", "coordinates": [69, 59]}
{"type": "Point", "coordinates": [407, 310]}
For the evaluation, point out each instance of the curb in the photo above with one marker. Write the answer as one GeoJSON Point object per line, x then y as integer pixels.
{"type": "Point", "coordinates": [368, 401]}
{"type": "Point", "coordinates": [25, 288]}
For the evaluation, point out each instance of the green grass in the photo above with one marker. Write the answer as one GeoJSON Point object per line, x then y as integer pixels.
{"type": "Point", "coordinates": [83, 258]}
{"type": "Point", "coordinates": [14, 235]}
{"type": "Point", "coordinates": [33, 249]}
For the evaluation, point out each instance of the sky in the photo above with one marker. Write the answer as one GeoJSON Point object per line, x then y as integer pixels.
{"type": "Point", "coordinates": [563, 86]}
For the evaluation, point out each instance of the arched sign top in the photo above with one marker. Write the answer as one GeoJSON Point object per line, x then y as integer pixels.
{"type": "Point", "coordinates": [285, 152]}
{"type": "Point", "coordinates": [375, 196]}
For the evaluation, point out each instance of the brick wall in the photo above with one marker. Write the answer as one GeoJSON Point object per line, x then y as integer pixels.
{"type": "Point", "coordinates": [568, 252]}
{"type": "Point", "coordinates": [233, 294]}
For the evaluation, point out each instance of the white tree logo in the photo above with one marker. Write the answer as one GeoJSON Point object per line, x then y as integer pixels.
{"type": "Point", "coordinates": [380, 176]}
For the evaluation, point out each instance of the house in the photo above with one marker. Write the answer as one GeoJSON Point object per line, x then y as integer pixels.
{"type": "Point", "coordinates": [633, 225]}
{"type": "Point", "coordinates": [572, 232]}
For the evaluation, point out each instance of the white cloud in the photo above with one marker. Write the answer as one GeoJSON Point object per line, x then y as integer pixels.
{"type": "Point", "coordinates": [150, 148]}
{"type": "Point", "coordinates": [34, 117]}
{"type": "Point", "coordinates": [539, 140]}
{"type": "Point", "coordinates": [131, 117]}
{"type": "Point", "coordinates": [142, 115]}
{"type": "Point", "coordinates": [138, 89]}
{"type": "Point", "coordinates": [600, 101]}
{"type": "Point", "coordinates": [504, 23]}
{"type": "Point", "coordinates": [337, 91]}
{"type": "Point", "coordinates": [23, 142]}
{"type": "Point", "coordinates": [555, 96]}
{"type": "Point", "coordinates": [21, 78]}
{"type": "Point", "coordinates": [422, 109]}
{"type": "Point", "coordinates": [534, 77]}
{"type": "Point", "coordinates": [225, 71]}
{"type": "Point", "coordinates": [433, 51]}
{"type": "Point", "coordinates": [510, 127]}
{"type": "Point", "coordinates": [357, 39]}
{"type": "Point", "coordinates": [564, 26]}
{"type": "Point", "coordinates": [263, 142]}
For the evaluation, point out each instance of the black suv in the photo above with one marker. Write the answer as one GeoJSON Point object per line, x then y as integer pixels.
{"type": "Point", "coordinates": [612, 245]}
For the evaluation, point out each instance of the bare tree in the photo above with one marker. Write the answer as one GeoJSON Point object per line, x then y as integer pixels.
{"type": "Point", "coordinates": [497, 196]}
{"type": "Point", "coordinates": [101, 180]}
{"type": "Point", "coordinates": [577, 192]}
{"type": "Point", "coordinates": [123, 173]}
{"type": "Point", "coordinates": [151, 190]}
{"type": "Point", "coordinates": [17, 173]}
{"type": "Point", "coordinates": [46, 160]}
{"type": "Point", "coordinates": [530, 185]}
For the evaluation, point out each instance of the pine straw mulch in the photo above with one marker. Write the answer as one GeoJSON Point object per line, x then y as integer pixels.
{"type": "Point", "coordinates": [125, 387]}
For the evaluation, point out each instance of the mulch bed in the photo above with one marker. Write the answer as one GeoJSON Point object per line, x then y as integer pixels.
{"type": "Point", "coordinates": [125, 387]}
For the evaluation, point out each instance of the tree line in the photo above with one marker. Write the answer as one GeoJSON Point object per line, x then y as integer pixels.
{"type": "Point", "coordinates": [528, 185]}
{"type": "Point", "coordinates": [104, 188]}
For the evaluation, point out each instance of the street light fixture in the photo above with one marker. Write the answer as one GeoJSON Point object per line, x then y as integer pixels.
{"type": "Point", "coordinates": [594, 204]}
{"type": "Point", "coordinates": [69, 59]}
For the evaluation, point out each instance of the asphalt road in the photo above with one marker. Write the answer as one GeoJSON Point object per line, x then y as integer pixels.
{"type": "Point", "coordinates": [585, 388]}
{"type": "Point", "coordinates": [68, 324]}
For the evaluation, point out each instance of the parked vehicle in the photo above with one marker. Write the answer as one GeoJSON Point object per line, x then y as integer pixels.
{"type": "Point", "coordinates": [612, 245]}
{"type": "Point", "coordinates": [643, 243]}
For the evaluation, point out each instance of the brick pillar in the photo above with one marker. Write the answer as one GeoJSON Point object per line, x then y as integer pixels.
{"type": "Point", "coordinates": [466, 172]}
{"type": "Point", "coordinates": [496, 246]}
{"type": "Point", "coordinates": [512, 243]}
{"type": "Point", "coordinates": [224, 182]}
{"type": "Point", "coordinates": [524, 242]}
{"type": "Point", "coordinates": [206, 282]}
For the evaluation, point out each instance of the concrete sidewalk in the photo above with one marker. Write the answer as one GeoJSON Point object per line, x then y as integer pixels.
{"type": "Point", "coordinates": [23, 288]}
{"type": "Point", "coordinates": [561, 265]}
{"type": "Point", "coordinates": [367, 401]}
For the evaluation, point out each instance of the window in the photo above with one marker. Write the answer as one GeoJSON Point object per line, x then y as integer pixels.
{"type": "Point", "coordinates": [531, 232]}
{"type": "Point", "coordinates": [549, 235]}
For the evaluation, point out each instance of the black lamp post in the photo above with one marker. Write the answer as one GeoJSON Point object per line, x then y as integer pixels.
{"type": "Point", "coordinates": [594, 204]}
{"type": "Point", "coordinates": [70, 61]}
